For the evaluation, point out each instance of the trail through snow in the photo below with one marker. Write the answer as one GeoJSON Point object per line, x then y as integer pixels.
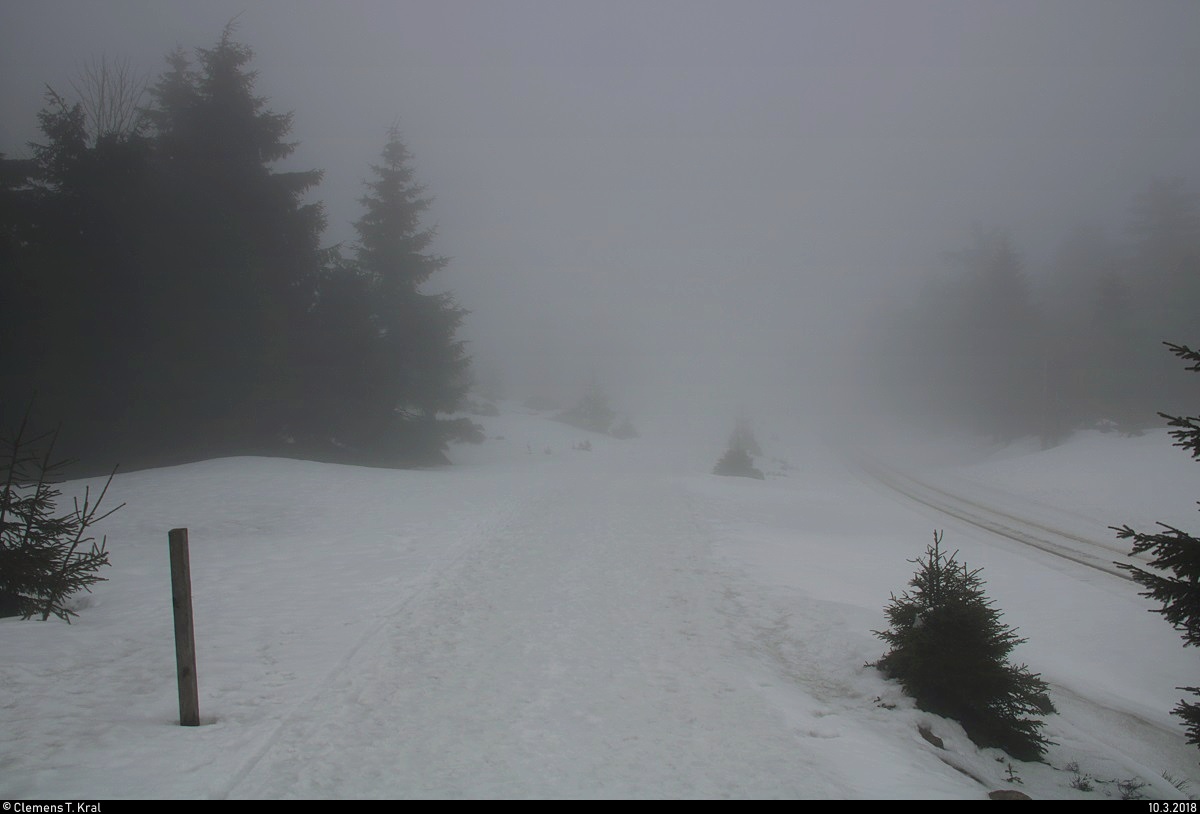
{"type": "Point", "coordinates": [577, 648]}
{"type": "Point", "coordinates": [543, 622]}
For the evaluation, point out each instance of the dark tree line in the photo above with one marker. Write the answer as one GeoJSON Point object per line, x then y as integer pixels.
{"type": "Point", "coordinates": [987, 345]}
{"type": "Point", "coordinates": [164, 291]}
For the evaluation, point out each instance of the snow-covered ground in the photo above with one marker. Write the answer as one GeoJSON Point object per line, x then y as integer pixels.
{"type": "Point", "coordinates": [541, 621]}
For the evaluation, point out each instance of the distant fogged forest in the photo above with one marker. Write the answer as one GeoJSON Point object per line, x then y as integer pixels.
{"type": "Point", "coordinates": [986, 347]}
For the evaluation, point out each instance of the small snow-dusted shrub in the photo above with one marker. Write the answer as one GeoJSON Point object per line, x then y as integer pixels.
{"type": "Point", "coordinates": [949, 651]}
{"type": "Point", "coordinates": [1180, 785]}
{"type": "Point", "coordinates": [738, 459]}
{"type": "Point", "coordinates": [624, 429]}
{"type": "Point", "coordinates": [1081, 782]}
{"type": "Point", "coordinates": [1131, 789]}
{"type": "Point", "coordinates": [738, 463]}
{"type": "Point", "coordinates": [45, 556]}
{"type": "Point", "coordinates": [591, 413]}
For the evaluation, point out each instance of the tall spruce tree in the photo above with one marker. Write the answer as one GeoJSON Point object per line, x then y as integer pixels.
{"type": "Point", "coordinates": [1175, 582]}
{"type": "Point", "coordinates": [1091, 342]}
{"type": "Point", "coordinates": [418, 367]}
{"type": "Point", "coordinates": [1165, 225]}
{"type": "Point", "coordinates": [20, 312]}
{"type": "Point", "coordinates": [236, 243]}
{"type": "Point", "coordinates": [970, 347]}
{"type": "Point", "coordinates": [1003, 363]}
{"type": "Point", "coordinates": [79, 273]}
{"type": "Point", "coordinates": [338, 339]}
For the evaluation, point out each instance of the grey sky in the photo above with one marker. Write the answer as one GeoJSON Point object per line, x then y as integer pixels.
{"type": "Point", "coordinates": [675, 192]}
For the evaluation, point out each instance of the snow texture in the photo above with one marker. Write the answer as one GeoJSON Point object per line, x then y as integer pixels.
{"type": "Point", "coordinates": [538, 622]}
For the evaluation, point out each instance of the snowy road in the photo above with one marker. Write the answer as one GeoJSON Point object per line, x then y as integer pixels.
{"type": "Point", "coordinates": [1090, 552]}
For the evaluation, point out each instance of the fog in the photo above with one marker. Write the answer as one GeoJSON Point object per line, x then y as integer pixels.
{"type": "Point", "coordinates": [701, 203]}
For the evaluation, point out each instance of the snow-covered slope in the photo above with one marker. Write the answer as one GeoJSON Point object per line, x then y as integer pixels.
{"type": "Point", "coordinates": [542, 621]}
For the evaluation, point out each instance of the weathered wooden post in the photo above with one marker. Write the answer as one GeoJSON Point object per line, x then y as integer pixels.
{"type": "Point", "coordinates": [185, 637]}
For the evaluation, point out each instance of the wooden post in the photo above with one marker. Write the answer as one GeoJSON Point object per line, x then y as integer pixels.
{"type": "Point", "coordinates": [185, 637]}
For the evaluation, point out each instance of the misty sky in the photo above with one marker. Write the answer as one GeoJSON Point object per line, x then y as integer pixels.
{"type": "Point", "coordinates": [691, 194]}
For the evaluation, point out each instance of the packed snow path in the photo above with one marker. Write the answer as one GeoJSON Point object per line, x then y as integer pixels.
{"type": "Point", "coordinates": [539, 621]}
{"type": "Point", "coordinates": [577, 649]}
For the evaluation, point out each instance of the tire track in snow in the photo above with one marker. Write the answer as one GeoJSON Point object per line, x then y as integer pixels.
{"type": "Point", "coordinates": [1056, 542]}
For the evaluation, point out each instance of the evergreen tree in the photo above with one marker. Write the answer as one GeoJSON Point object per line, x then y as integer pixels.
{"type": "Point", "coordinates": [1112, 369]}
{"type": "Point", "coordinates": [234, 240]}
{"type": "Point", "coordinates": [337, 338]}
{"type": "Point", "coordinates": [45, 556]}
{"type": "Point", "coordinates": [20, 315]}
{"type": "Point", "coordinates": [79, 269]}
{"type": "Point", "coordinates": [1175, 582]}
{"type": "Point", "coordinates": [1166, 226]}
{"type": "Point", "coordinates": [1166, 229]}
{"type": "Point", "coordinates": [593, 412]}
{"type": "Point", "coordinates": [743, 437]}
{"type": "Point", "coordinates": [624, 429]}
{"type": "Point", "coordinates": [737, 462]}
{"type": "Point", "coordinates": [970, 349]}
{"type": "Point", "coordinates": [738, 459]}
{"type": "Point", "coordinates": [418, 366]}
{"type": "Point", "coordinates": [162, 239]}
{"type": "Point", "coordinates": [949, 651]}
{"type": "Point", "coordinates": [15, 183]}
{"type": "Point", "coordinates": [1003, 363]}
{"type": "Point", "coordinates": [916, 353]}
{"type": "Point", "coordinates": [1091, 341]}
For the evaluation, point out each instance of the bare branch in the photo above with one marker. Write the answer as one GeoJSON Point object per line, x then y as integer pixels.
{"type": "Point", "coordinates": [110, 93]}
